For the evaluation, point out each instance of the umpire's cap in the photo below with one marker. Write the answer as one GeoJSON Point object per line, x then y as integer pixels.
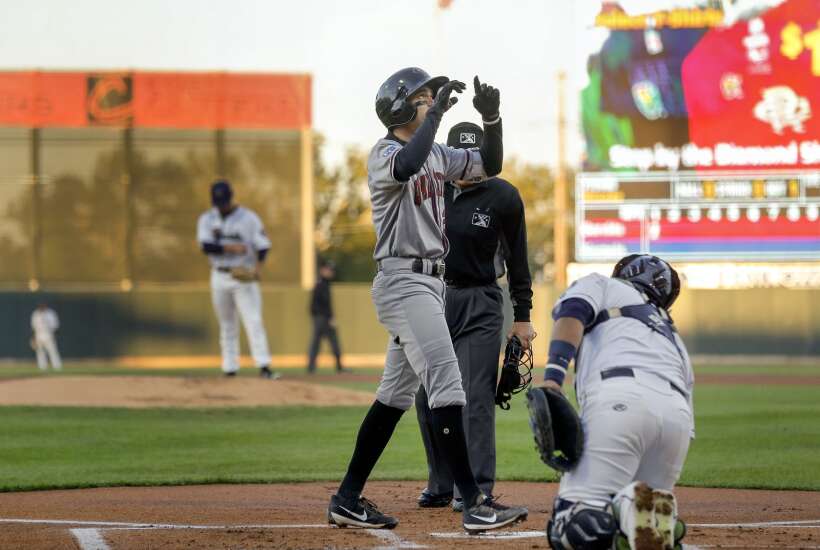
{"type": "Point", "coordinates": [221, 193]}
{"type": "Point", "coordinates": [465, 135]}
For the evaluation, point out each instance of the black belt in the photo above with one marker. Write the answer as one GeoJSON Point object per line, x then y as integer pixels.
{"type": "Point", "coordinates": [224, 269]}
{"type": "Point", "coordinates": [627, 371]}
{"type": "Point", "coordinates": [431, 267]}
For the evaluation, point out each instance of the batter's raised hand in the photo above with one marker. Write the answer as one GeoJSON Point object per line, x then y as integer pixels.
{"type": "Point", "coordinates": [443, 101]}
{"type": "Point", "coordinates": [487, 100]}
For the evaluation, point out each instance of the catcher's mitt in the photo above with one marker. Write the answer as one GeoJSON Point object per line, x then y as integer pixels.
{"type": "Point", "coordinates": [244, 274]}
{"type": "Point", "coordinates": [559, 437]}
{"type": "Point", "coordinates": [516, 373]}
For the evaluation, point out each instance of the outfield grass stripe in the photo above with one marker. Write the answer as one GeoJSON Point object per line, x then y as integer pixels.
{"type": "Point", "coordinates": [90, 539]}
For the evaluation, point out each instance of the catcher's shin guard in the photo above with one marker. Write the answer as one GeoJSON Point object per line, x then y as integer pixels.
{"type": "Point", "coordinates": [581, 526]}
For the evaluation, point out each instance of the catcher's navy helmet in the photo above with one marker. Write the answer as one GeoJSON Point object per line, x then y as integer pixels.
{"type": "Point", "coordinates": [652, 275]}
{"type": "Point", "coordinates": [391, 100]}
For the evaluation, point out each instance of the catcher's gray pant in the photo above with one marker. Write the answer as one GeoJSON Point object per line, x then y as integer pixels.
{"type": "Point", "coordinates": [475, 319]}
{"type": "Point", "coordinates": [411, 308]}
{"type": "Point", "coordinates": [233, 300]}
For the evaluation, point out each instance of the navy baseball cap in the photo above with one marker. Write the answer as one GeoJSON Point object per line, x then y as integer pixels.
{"type": "Point", "coordinates": [465, 135]}
{"type": "Point", "coordinates": [221, 193]}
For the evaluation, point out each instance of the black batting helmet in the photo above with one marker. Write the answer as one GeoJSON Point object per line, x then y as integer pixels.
{"type": "Point", "coordinates": [391, 100]}
{"type": "Point", "coordinates": [652, 275]}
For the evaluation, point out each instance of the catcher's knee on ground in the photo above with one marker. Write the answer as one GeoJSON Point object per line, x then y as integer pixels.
{"type": "Point", "coordinates": [580, 526]}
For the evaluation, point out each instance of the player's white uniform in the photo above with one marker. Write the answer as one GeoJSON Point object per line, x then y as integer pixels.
{"type": "Point", "coordinates": [44, 322]}
{"type": "Point", "coordinates": [229, 295]}
{"type": "Point", "coordinates": [635, 427]}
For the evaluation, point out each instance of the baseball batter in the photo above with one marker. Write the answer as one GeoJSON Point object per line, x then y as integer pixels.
{"type": "Point", "coordinates": [235, 242]}
{"type": "Point", "coordinates": [634, 385]}
{"type": "Point", "coordinates": [44, 323]}
{"type": "Point", "coordinates": [406, 175]}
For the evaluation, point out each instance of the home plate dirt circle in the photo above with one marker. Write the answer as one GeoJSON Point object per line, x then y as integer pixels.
{"type": "Point", "coordinates": [293, 516]}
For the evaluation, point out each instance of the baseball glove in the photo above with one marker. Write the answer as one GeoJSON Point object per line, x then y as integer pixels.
{"type": "Point", "coordinates": [559, 437]}
{"type": "Point", "coordinates": [516, 373]}
{"type": "Point", "coordinates": [244, 274]}
{"type": "Point", "coordinates": [32, 343]}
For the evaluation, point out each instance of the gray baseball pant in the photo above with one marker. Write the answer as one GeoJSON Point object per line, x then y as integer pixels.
{"type": "Point", "coordinates": [411, 307]}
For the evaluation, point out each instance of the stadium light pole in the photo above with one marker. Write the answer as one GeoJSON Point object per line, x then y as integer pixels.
{"type": "Point", "coordinates": [560, 245]}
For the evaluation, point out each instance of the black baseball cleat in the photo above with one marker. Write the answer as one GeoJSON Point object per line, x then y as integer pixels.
{"type": "Point", "coordinates": [357, 513]}
{"type": "Point", "coordinates": [230, 373]}
{"type": "Point", "coordinates": [488, 514]}
{"type": "Point", "coordinates": [432, 500]}
{"type": "Point", "coordinates": [265, 372]}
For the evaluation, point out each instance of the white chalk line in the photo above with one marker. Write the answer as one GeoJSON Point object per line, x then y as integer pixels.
{"type": "Point", "coordinates": [392, 539]}
{"type": "Point", "coordinates": [90, 539]}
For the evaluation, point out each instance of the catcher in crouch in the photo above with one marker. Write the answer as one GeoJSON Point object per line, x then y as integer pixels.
{"type": "Point", "coordinates": [235, 242]}
{"type": "Point", "coordinates": [634, 385]}
{"type": "Point", "coordinates": [487, 233]}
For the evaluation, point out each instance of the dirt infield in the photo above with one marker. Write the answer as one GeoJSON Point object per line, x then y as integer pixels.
{"type": "Point", "coordinates": [294, 516]}
{"type": "Point", "coordinates": [166, 391]}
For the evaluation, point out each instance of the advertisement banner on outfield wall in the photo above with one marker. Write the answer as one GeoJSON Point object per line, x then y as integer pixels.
{"type": "Point", "coordinates": [702, 130]}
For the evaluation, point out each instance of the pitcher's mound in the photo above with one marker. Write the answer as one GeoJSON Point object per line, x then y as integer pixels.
{"type": "Point", "coordinates": [161, 391]}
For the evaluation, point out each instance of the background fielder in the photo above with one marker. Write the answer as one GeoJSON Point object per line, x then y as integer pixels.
{"type": "Point", "coordinates": [634, 385]}
{"type": "Point", "coordinates": [234, 239]}
{"type": "Point", "coordinates": [44, 323]}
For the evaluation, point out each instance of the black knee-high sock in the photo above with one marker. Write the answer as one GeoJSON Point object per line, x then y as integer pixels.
{"type": "Point", "coordinates": [448, 429]}
{"type": "Point", "coordinates": [374, 433]}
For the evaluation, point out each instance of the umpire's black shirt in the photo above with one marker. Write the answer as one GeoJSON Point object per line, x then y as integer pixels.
{"type": "Point", "coordinates": [478, 219]}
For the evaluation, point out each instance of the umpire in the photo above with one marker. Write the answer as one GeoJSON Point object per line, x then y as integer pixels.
{"type": "Point", "coordinates": [486, 230]}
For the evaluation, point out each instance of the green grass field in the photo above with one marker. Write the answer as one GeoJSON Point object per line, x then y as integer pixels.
{"type": "Point", "coordinates": [747, 436]}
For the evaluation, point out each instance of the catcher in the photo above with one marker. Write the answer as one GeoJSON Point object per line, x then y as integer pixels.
{"type": "Point", "coordinates": [634, 385]}
{"type": "Point", "coordinates": [487, 233]}
{"type": "Point", "coordinates": [235, 242]}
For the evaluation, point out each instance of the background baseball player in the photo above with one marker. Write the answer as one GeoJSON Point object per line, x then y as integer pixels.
{"type": "Point", "coordinates": [44, 323]}
{"type": "Point", "coordinates": [634, 384]}
{"type": "Point", "coordinates": [485, 228]}
{"type": "Point", "coordinates": [406, 175]}
{"type": "Point", "coordinates": [234, 239]}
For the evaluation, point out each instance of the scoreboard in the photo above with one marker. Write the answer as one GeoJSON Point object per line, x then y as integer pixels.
{"type": "Point", "coordinates": [702, 134]}
{"type": "Point", "coordinates": [697, 215]}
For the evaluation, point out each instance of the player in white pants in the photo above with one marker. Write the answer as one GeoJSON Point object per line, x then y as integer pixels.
{"type": "Point", "coordinates": [234, 239]}
{"type": "Point", "coordinates": [634, 384]}
{"type": "Point", "coordinates": [44, 323]}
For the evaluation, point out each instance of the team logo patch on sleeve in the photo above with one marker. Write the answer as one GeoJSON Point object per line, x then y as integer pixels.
{"type": "Point", "coordinates": [389, 150]}
{"type": "Point", "coordinates": [481, 220]}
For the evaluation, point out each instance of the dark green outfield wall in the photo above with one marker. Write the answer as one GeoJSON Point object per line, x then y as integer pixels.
{"type": "Point", "coordinates": [172, 321]}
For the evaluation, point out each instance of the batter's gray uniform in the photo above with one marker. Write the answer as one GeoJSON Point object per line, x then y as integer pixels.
{"type": "Point", "coordinates": [409, 221]}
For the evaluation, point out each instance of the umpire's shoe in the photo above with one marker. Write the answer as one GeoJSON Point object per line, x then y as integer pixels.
{"type": "Point", "coordinates": [432, 500]}
{"type": "Point", "coordinates": [488, 514]}
{"type": "Point", "coordinates": [357, 513]}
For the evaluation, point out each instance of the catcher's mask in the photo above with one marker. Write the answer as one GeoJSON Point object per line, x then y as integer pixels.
{"type": "Point", "coordinates": [516, 373]}
{"type": "Point", "coordinates": [392, 106]}
{"type": "Point", "coordinates": [652, 275]}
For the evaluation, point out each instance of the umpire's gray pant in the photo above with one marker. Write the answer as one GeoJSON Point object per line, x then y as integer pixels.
{"type": "Point", "coordinates": [475, 319]}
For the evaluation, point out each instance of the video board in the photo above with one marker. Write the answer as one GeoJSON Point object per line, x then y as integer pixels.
{"type": "Point", "coordinates": [702, 132]}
